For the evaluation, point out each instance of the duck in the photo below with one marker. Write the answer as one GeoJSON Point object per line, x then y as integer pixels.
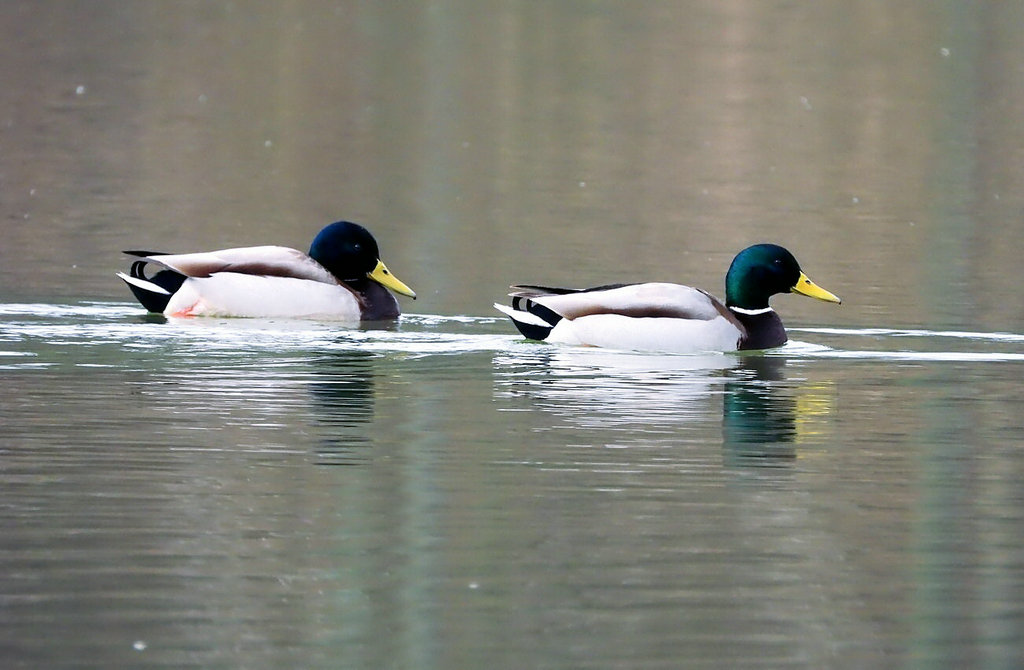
{"type": "Point", "coordinates": [665, 317]}
{"type": "Point", "coordinates": [341, 278]}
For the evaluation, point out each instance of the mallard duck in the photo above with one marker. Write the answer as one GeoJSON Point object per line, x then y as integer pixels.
{"type": "Point", "coordinates": [669, 317]}
{"type": "Point", "coordinates": [342, 277]}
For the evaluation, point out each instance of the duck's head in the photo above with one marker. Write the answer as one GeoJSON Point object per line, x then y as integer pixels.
{"type": "Point", "coordinates": [759, 272]}
{"type": "Point", "coordinates": [349, 252]}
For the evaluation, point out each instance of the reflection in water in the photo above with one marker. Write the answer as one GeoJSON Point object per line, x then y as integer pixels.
{"type": "Point", "coordinates": [512, 489]}
{"type": "Point", "coordinates": [599, 388]}
{"type": "Point", "coordinates": [764, 419]}
{"type": "Point", "coordinates": [342, 390]}
{"type": "Point", "coordinates": [758, 417]}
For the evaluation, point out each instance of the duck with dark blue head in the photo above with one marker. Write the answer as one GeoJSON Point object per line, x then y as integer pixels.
{"type": "Point", "coordinates": [341, 278]}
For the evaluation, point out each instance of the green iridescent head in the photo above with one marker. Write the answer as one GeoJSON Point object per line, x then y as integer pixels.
{"type": "Point", "coordinates": [760, 271]}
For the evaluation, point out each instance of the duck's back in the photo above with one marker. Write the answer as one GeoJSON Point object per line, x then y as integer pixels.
{"type": "Point", "coordinates": [270, 261]}
{"type": "Point", "coordinates": [652, 299]}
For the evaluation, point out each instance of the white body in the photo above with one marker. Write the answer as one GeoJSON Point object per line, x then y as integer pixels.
{"type": "Point", "coordinates": [670, 318]}
{"type": "Point", "coordinates": [669, 335]}
{"type": "Point", "coordinates": [232, 294]}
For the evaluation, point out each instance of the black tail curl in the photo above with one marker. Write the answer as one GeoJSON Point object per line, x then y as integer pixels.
{"type": "Point", "coordinates": [168, 280]}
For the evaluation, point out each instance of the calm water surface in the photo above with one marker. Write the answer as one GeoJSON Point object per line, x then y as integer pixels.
{"type": "Point", "coordinates": [271, 494]}
{"type": "Point", "coordinates": [442, 494]}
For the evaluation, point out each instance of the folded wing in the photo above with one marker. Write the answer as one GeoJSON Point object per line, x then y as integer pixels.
{"type": "Point", "coordinates": [632, 300]}
{"type": "Point", "coordinates": [267, 261]}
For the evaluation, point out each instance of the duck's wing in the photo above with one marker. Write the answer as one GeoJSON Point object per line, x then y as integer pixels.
{"type": "Point", "coordinates": [653, 299]}
{"type": "Point", "coordinates": [265, 261]}
{"type": "Point", "coordinates": [532, 290]}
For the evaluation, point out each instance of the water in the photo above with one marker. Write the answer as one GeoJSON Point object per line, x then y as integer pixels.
{"type": "Point", "coordinates": [442, 494]}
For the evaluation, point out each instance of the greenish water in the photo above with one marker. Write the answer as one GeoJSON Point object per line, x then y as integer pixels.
{"type": "Point", "coordinates": [442, 494]}
{"type": "Point", "coordinates": [284, 494]}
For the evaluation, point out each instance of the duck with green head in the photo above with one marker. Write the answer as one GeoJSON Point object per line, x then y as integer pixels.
{"type": "Point", "coordinates": [669, 317]}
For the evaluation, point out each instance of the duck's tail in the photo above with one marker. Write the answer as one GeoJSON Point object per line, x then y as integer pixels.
{"type": "Point", "coordinates": [153, 292]}
{"type": "Point", "coordinates": [534, 321]}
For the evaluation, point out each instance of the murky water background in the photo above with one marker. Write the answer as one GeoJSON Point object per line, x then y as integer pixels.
{"type": "Point", "coordinates": [265, 494]}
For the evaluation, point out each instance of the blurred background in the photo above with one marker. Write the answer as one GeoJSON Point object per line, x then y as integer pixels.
{"type": "Point", "coordinates": [487, 143]}
{"type": "Point", "coordinates": [269, 494]}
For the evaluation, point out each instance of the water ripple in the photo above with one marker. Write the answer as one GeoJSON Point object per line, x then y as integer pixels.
{"type": "Point", "coordinates": [911, 332]}
{"type": "Point", "coordinates": [97, 324]}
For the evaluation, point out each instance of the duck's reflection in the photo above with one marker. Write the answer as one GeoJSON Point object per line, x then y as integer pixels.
{"type": "Point", "coordinates": [765, 416]}
{"type": "Point", "coordinates": [605, 389]}
{"type": "Point", "coordinates": [758, 414]}
{"type": "Point", "coordinates": [343, 391]}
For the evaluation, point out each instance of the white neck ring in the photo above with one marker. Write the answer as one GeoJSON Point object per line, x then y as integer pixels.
{"type": "Point", "coordinates": [752, 312]}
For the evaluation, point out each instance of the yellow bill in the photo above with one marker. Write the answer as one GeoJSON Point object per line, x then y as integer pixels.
{"type": "Point", "coordinates": [805, 286]}
{"type": "Point", "coordinates": [383, 276]}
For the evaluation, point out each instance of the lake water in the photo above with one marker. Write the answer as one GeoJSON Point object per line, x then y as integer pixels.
{"type": "Point", "coordinates": [218, 493]}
